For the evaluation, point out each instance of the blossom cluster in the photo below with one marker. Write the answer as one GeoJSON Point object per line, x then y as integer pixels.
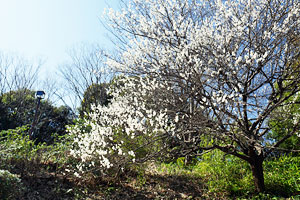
{"type": "Point", "coordinates": [112, 127]}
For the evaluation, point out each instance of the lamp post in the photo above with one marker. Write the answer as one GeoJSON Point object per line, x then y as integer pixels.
{"type": "Point", "coordinates": [39, 95]}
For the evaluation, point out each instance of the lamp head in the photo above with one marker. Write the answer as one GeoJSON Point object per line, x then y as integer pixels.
{"type": "Point", "coordinates": [40, 94]}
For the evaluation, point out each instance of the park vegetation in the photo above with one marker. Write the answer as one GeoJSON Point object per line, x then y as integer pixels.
{"type": "Point", "coordinates": [199, 100]}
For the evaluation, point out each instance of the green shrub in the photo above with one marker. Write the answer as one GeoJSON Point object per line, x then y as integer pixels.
{"type": "Point", "coordinates": [225, 173]}
{"type": "Point", "coordinates": [231, 175]}
{"type": "Point", "coordinates": [16, 147]}
{"type": "Point", "coordinates": [10, 185]}
{"type": "Point", "coordinates": [282, 175]}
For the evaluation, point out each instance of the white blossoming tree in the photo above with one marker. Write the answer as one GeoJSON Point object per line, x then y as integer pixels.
{"type": "Point", "coordinates": [202, 68]}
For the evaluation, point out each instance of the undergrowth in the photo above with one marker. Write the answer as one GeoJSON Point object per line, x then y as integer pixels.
{"type": "Point", "coordinates": [226, 175]}
{"type": "Point", "coordinates": [212, 176]}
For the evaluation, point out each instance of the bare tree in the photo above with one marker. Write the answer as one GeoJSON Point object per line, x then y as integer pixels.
{"type": "Point", "coordinates": [17, 73]}
{"type": "Point", "coordinates": [86, 67]}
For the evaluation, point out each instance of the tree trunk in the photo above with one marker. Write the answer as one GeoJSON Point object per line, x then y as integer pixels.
{"type": "Point", "coordinates": [258, 173]}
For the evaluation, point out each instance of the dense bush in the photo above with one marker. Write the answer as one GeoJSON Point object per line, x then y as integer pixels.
{"type": "Point", "coordinates": [225, 173]}
{"type": "Point", "coordinates": [16, 147]}
{"type": "Point", "coordinates": [18, 151]}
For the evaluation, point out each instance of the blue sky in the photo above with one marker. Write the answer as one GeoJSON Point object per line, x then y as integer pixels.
{"type": "Point", "coordinates": [46, 29]}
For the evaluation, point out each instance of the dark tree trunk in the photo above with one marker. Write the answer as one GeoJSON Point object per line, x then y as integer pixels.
{"type": "Point", "coordinates": [256, 164]}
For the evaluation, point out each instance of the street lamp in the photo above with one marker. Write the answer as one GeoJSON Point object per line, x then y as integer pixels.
{"type": "Point", "coordinates": [39, 95]}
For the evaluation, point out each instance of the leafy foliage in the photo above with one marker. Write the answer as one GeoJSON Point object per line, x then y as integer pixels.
{"type": "Point", "coordinates": [225, 173]}
{"type": "Point", "coordinates": [16, 146]}
{"type": "Point", "coordinates": [228, 176]}
{"type": "Point", "coordinates": [283, 175]}
{"type": "Point", "coordinates": [282, 120]}
{"type": "Point", "coordinates": [282, 125]}
{"type": "Point", "coordinates": [17, 150]}
{"type": "Point", "coordinates": [19, 106]}
{"type": "Point", "coordinates": [4, 120]}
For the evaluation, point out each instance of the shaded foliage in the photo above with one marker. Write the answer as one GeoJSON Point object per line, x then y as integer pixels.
{"type": "Point", "coordinates": [282, 120]}
{"type": "Point", "coordinates": [19, 107]}
{"type": "Point", "coordinates": [95, 94]}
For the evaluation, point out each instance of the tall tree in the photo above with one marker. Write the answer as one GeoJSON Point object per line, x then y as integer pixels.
{"type": "Point", "coordinates": [221, 58]}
